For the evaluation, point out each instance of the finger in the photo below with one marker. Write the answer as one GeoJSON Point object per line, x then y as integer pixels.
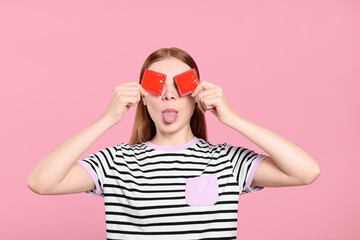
{"type": "Point", "coordinates": [130, 100]}
{"type": "Point", "coordinates": [203, 85]}
{"type": "Point", "coordinates": [201, 107]}
{"type": "Point", "coordinates": [128, 88]}
{"type": "Point", "coordinates": [203, 104]}
{"type": "Point", "coordinates": [204, 94]}
{"type": "Point", "coordinates": [141, 89]}
{"type": "Point", "coordinates": [211, 102]}
{"type": "Point", "coordinates": [132, 91]}
{"type": "Point", "coordinates": [208, 103]}
{"type": "Point", "coordinates": [198, 88]}
{"type": "Point", "coordinates": [198, 97]}
{"type": "Point", "coordinates": [129, 92]}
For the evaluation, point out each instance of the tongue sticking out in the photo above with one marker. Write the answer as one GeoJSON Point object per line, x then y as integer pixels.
{"type": "Point", "coordinates": [169, 117]}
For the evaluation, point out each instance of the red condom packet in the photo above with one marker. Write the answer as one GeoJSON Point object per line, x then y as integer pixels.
{"type": "Point", "coordinates": [187, 82]}
{"type": "Point", "coordinates": [153, 82]}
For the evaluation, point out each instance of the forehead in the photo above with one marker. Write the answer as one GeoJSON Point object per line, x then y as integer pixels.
{"type": "Point", "coordinates": [169, 66]}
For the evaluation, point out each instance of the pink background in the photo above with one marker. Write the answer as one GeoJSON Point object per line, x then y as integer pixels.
{"type": "Point", "coordinates": [289, 66]}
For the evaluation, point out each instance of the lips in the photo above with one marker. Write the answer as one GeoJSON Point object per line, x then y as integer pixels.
{"type": "Point", "coordinates": [170, 110]}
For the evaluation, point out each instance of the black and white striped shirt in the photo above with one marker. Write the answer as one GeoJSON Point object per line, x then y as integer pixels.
{"type": "Point", "coordinates": [182, 192]}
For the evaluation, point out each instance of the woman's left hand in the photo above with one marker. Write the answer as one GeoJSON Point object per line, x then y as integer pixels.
{"type": "Point", "coordinates": [211, 97]}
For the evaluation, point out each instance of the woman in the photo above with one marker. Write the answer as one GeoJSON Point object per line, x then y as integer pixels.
{"type": "Point", "coordinates": [169, 182]}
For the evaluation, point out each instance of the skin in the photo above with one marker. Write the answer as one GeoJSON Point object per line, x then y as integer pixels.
{"type": "Point", "coordinates": [178, 132]}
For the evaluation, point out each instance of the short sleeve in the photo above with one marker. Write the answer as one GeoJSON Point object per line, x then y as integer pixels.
{"type": "Point", "coordinates": [98, 166]}
{"type": "Point", "coordinates": [244, 162]}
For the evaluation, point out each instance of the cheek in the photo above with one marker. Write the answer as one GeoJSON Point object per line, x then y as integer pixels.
{"type": "Point", "coordinates": [152, 111]}
{"type": "Point", "coordinates": [190, 106]}
{"type": "Point", "coordinates": [188, 99]}
{"type": "Point", "coordinates": [151, 103]}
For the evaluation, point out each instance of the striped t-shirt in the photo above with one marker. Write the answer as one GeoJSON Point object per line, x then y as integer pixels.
{"type": "Point", "coordinates": [190, 191]}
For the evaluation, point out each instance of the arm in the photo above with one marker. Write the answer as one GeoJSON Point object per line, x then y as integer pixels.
{"type": "Point", "coordinates": [288, 165]}
{"type": "Point", "coordinates": [53, 168]}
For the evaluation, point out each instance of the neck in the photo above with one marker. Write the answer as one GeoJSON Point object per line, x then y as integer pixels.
{"type": "Point", "coordinates": [172, 139]}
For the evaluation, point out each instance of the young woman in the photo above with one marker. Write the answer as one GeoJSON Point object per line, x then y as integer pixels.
{"type": "Point", "coordinates": [169, 181]}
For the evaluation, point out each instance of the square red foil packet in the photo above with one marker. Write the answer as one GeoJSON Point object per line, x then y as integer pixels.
{"type": "Point", "coordinates": [153, 82]}
{"type": "Point", "coordinates": [187, 82]}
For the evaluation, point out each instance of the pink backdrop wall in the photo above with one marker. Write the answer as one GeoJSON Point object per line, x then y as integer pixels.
{"type": "Point", "coordinates": [289, 66]}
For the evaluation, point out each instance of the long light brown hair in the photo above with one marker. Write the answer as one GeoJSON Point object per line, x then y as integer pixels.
{"type": "Point", "coordinates": [144, 128]}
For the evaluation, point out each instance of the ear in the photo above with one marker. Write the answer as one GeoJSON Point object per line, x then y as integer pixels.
{"type": "Point", "coordinates": [143, 98]}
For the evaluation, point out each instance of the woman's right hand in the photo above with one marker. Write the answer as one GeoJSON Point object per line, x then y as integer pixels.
{"type": "Point", "coordinates": [125, 96]}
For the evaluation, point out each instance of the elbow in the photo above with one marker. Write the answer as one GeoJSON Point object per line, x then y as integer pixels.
{"type": "Point", "coordinates": [34, 187]}
{"type": "Point", "coordinates": [315, 174]}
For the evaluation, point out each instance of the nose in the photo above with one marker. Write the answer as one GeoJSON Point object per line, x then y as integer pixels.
{"type": "Point", "coordinates": [170, 91]}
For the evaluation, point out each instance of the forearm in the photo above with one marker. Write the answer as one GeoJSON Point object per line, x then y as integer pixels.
{"type": "Point", "coordinates": [55, 165]}
{"type": "Point", "coordinates": [290, 158]}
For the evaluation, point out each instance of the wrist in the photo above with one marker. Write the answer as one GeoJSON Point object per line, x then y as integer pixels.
{"type": "Point", "coordinates": [107, 121]}
{"type": "Point", "coordinates": [231, 118]}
